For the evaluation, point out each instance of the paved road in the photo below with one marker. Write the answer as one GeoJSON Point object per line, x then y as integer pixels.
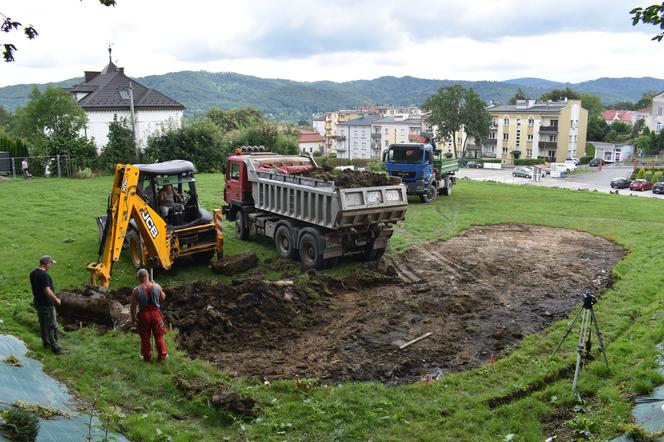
{"type": "Point", "coordinates": [595, 180]}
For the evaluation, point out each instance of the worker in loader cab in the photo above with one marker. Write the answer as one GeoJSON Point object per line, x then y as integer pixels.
{"type": "Point", "coordinates": [168, 198]}
{"type": "Point", "coordinates": [45, 301]}
{"type": "Point", "coordinates": [147, 297]}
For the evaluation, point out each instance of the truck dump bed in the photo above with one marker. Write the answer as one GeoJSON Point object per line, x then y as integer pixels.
{"type": "Point", "coordinates": [322, 203]}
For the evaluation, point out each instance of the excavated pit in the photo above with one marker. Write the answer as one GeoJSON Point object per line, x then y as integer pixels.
{"type": "Point", "coordinates": [477, 294]}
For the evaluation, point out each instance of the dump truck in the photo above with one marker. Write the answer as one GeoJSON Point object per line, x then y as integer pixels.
{"type": "Point", "coordinates": [270, 195]}
{"type": "Point", "coordinates": [155, 231]}
{"type": "Point", "coordinates": [422, 168]}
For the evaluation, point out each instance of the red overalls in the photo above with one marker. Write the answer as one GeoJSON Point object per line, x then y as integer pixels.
{"type": "Point", "coordinates": [150, 321]}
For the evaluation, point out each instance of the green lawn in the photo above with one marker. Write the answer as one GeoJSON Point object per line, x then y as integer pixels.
{"type": "Point", "coordinates": [57, 217]}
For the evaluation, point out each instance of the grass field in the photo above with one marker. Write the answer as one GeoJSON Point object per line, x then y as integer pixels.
{"type": "Point", "coordinates": [57, 217]}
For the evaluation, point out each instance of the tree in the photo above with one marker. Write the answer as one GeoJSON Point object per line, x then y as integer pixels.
{"type": "Point", "coordinates": [8, 25]}
{"type": "Point", "coordinates": [52, 123]}
{"type": "Point", "coordinates": [454, 108]}
{"type": "Point", "coordinates": [234, 119]}
{"type": "Point", "coordinates": [5, 118]}
{"type": "Point", "coordinates": [592, 104]}
{"type": "Point", "coordinates": [653, 14]}
{"type": "Point", "coordinates": [560, 95]}
{"type": "Point", "coordinates": [200, 142]}
{"type": "Point", "coordinates": [518, 95]}
{"type": "Point", "coordinates": [268, 135]}
{"type": "Point", "coordinates": [121, 146]}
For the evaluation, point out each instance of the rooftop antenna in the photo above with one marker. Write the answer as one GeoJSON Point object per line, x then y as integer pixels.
{"type": "Point", "coordinates": [110, 49]}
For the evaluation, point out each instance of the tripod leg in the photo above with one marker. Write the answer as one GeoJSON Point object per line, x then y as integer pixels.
{"type": "Point", "coordinates": [569, 327]}
{"type": "Point", "coordinates": [580, 349]}
{"type": "Point", "coordinates": [599, 336]}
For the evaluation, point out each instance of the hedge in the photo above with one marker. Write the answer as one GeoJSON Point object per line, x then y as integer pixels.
{"type": "Point", "coordinates": [585, 160]}
{"type": "Point", "coordinates": [490, 161]}
{"type": "Point", "coordinates": [528, 161]}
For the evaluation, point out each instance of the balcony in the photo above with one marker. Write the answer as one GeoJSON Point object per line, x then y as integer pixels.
{"type": "Point", "coordinates": [375, 134]}
{"type": "Point", "coordinates": [490, 142]}
{"type": "Point", "coordinates": [339, 137]}
{"type": "Point", "coordinates": [548, 145]}
{"type": "Point", "coordinates": [548, 129]}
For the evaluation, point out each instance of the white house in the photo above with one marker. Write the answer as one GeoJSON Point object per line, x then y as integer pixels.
{"type": "Point", "coordinates": [656, 122]}
{"type": "Point", "coordinates": [109, 93]}
{"type": "Point", "coordinates": [613, 153]}
{"type": "Point", "coordinates": [311, 142]}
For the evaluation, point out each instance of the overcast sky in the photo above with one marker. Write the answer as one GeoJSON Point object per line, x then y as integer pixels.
{"type": "Point", "coordinates": [339, 40]}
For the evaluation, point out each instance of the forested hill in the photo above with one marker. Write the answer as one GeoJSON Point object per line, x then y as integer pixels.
{"type": "Point", "coordinates": [292, 100]}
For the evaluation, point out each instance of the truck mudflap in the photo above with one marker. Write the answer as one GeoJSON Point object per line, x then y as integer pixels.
{"type": "Point", "coordinates": [353, 242]}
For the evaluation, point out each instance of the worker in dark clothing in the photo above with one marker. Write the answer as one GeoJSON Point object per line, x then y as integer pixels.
{"type": "Point", "coordinates": [45, 301]}
{"type": "Point", "coordinates": [147, 297]}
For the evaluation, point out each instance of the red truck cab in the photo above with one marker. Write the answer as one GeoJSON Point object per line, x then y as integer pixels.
{"type": "Point", "coordinates": [238, 187]}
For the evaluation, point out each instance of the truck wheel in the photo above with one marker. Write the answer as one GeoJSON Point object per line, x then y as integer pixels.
{"type": "Point", "coordinates": [283, 241]}
{"type": "Point", "coordinates": [136, 251]}
{"type": "Point", "coordinates": [373, 254]}
{"type": "Point", "coordinates": [310, 253]}
{"type": "Point", "coordinates": [430, 196]}
{"type": "Point", "coordinates": [447, 190]}
{"type": "Point", "coordinates": [241, 226]}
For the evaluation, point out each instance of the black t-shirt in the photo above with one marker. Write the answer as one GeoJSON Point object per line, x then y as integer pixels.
{"type": "Point", "coordinates": [39, 280]}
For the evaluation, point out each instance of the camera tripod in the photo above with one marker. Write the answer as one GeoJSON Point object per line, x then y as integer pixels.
{"type": "Point", "coordinates": [588, 322]}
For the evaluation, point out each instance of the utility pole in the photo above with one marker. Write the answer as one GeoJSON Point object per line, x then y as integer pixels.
{"type": "Point", "coordinates": [133, 120]}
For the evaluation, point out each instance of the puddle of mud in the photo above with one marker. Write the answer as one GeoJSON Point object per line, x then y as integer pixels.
{"type": "Point", "coordinates": [477, 294]}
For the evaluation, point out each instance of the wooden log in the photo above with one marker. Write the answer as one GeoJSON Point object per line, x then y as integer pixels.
{"type": "Point", "coordinates": [232, 265]}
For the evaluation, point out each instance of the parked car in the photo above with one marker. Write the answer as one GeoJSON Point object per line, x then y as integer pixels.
{"type": "Point", "coordinates": [596, 162]}
{"type": "Point", "coordinates": [474, 165]}
{"type": "Point", "coordinates": [640, 185]}
{"type": "Point", "coordinates": [521, 171]}
{"type": "Point", "coordinates": [658, 187]}
{"type": "Point", "coordinates": [570, 166]}
{"type": "Point", "coordinates": [620, 183]}
{"type": "Point", "coordinates": [574, 160]}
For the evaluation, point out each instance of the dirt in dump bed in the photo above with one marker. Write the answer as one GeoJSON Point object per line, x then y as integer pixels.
{"type": "Point", "coordinates": [353, 178]}
{"type": "Point", "coordinates": [477, 294]}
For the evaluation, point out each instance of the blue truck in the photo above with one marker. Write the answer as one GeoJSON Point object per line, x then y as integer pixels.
{"type": "Point", "coordinates": [422, 168]}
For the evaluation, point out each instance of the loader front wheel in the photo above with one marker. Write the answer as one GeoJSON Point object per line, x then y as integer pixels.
{"type": "Point", "coordinates": [430, 195]}
{"type": "Point", "coordinates": [136, 249]}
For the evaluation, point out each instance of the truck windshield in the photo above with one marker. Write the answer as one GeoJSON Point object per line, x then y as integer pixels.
{"type": "Point", "coordinates": [411, 155]}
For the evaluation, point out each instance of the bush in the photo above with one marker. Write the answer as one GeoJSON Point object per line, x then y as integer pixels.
{"type": "Point", "coordinates": [585, 160]}
{"type": "Point", "coordinates": [656, 177]}
{"type": "Point", "coordinates": [641, 175]}
{"type": "Point", "coordinates": [528, 161]}
{"type": "Point", "coordinates": [332, 155]}
{"type": "Point", "coordinates": [84, 173]}
{"type": "Point", "coordinates": [318, 154]}
{"type": "Point", "coordinates": [22, 425]}
{"type": "Point", "coordinates": [121, 147]}
{"type": "Point", "coordinates": [200, 142]}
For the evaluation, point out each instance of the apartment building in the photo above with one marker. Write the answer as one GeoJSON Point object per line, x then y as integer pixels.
{"type": "Point", "coordinates": [352, 138]}
{"type": "Point", "coordinates": [403, 128]}
{"type": "Point", "coordinates": [530, 129]}
{"type": "Point", "coordinates": [656, 120]}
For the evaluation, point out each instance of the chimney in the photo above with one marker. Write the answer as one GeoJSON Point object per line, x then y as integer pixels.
{"type": "Point", "coordinates": [121, 70]}
{"type": "Point", "coordinates": [89, 75]}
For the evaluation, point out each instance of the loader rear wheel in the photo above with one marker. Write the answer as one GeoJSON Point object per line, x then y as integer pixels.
{"type": "Point", "coordinates": [136, 249]}
{"type": "Point", "coordinates": [430, 196]}
{"type": "Point", "coordinates": [310, 254]}
{"type": "Point", "coordinates": [283, 242]}
{"type": "Point", "coordinates": [241, 226]}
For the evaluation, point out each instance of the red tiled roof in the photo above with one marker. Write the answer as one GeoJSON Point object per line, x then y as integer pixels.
{"type": "Point", "coordinates": [310, 137]}
{"type": "Point", "coordinates": [617, 114]}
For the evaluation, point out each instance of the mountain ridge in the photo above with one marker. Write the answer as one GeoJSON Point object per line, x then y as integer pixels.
{"type": "Point", "coordinates": [290, 100]}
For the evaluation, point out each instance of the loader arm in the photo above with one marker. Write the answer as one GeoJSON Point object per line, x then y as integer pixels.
{"type": "Point", "coordinates": [124, 204]}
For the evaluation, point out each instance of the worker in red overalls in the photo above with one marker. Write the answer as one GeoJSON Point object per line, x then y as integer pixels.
{"type": "Point", "coordinates": [147, 297]}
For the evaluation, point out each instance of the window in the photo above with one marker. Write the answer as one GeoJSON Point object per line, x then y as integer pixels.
{"type": "Point", "coordinates": [386, 142]}
{"type": "Point", "coordinates": [234, 173]}
{"type": "Point", "coordinates": [386, 131]}
{"type": "Point", "coordinates": [518, 122]}
{"type": "Point", "coordinates": [530, 137]}
{"type": "Point", "coordinates": [552, 154]}
{"type": "Point", "coordinates": [459, 141]}
{"type": "Point", "coordinates": [658, 127]}
{"type": "Point", "coordinates": [504, 150]}
{"type": "Point", "coordinates": [506, 121]}
{"type": "Point", "coordinates": [492, 135]}
{"type": "Point", "coordinates": [659, 110]}
{"type": "Point", "coordinates": [355, 144]}
{"type": "Point", "coordinates": [529, 152]}
{"type": "Point", "coordinates": [494, 122]}
{"type": "Point", "coordinates": [554, 123]}
{"type": "Point", "coordinates": [403, 132]}
{"type": "Point", "coordinates": [506, 136]}
{"type": "Point", "coordinates": [553, 138]}
{"type": "Point", "coordinates": [531, 122]}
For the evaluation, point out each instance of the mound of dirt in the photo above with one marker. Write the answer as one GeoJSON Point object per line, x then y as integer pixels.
{"type": "Point", "coordinates": [349, 179]}
{"type": "Point", "coordinates": [476, 294]}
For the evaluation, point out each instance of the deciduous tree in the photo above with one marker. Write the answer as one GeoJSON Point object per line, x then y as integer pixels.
{"type": "Point", "coordinates": [653, 15]}
{"type": "Point", "coordinates": [455, 107]}
{"type": "Point", "coordinates": [561, 94]}
{"type": "Point", "coordinates": [518, 95]}
{"type": "Point", "coordinates": [121, 146]}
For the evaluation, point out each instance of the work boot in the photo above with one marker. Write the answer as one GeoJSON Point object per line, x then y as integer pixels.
{"type": "Point", "coordinates": [46, 345]}
{"type": "Point", "coordinates": [56, 350]}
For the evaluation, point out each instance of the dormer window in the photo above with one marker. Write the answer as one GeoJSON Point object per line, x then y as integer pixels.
{"type": "Point", "coordinates": [124, 94]}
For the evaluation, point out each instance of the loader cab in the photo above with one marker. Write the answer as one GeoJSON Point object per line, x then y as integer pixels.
{"type": "Point", "coordinates": [180, 176]}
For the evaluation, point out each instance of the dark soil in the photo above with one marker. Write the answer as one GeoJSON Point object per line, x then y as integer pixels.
{"type": "Point", "coordinates": [353, 178]}
{"type": "Point", "coordinates": [477, 293]}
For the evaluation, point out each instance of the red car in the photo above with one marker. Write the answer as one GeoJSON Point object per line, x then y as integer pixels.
{"type": "Point", "coordinates": [640, 185]}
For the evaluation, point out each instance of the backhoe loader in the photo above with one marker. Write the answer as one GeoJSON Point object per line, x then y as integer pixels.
{"type": "Point", "coordinates": [155, 230]}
